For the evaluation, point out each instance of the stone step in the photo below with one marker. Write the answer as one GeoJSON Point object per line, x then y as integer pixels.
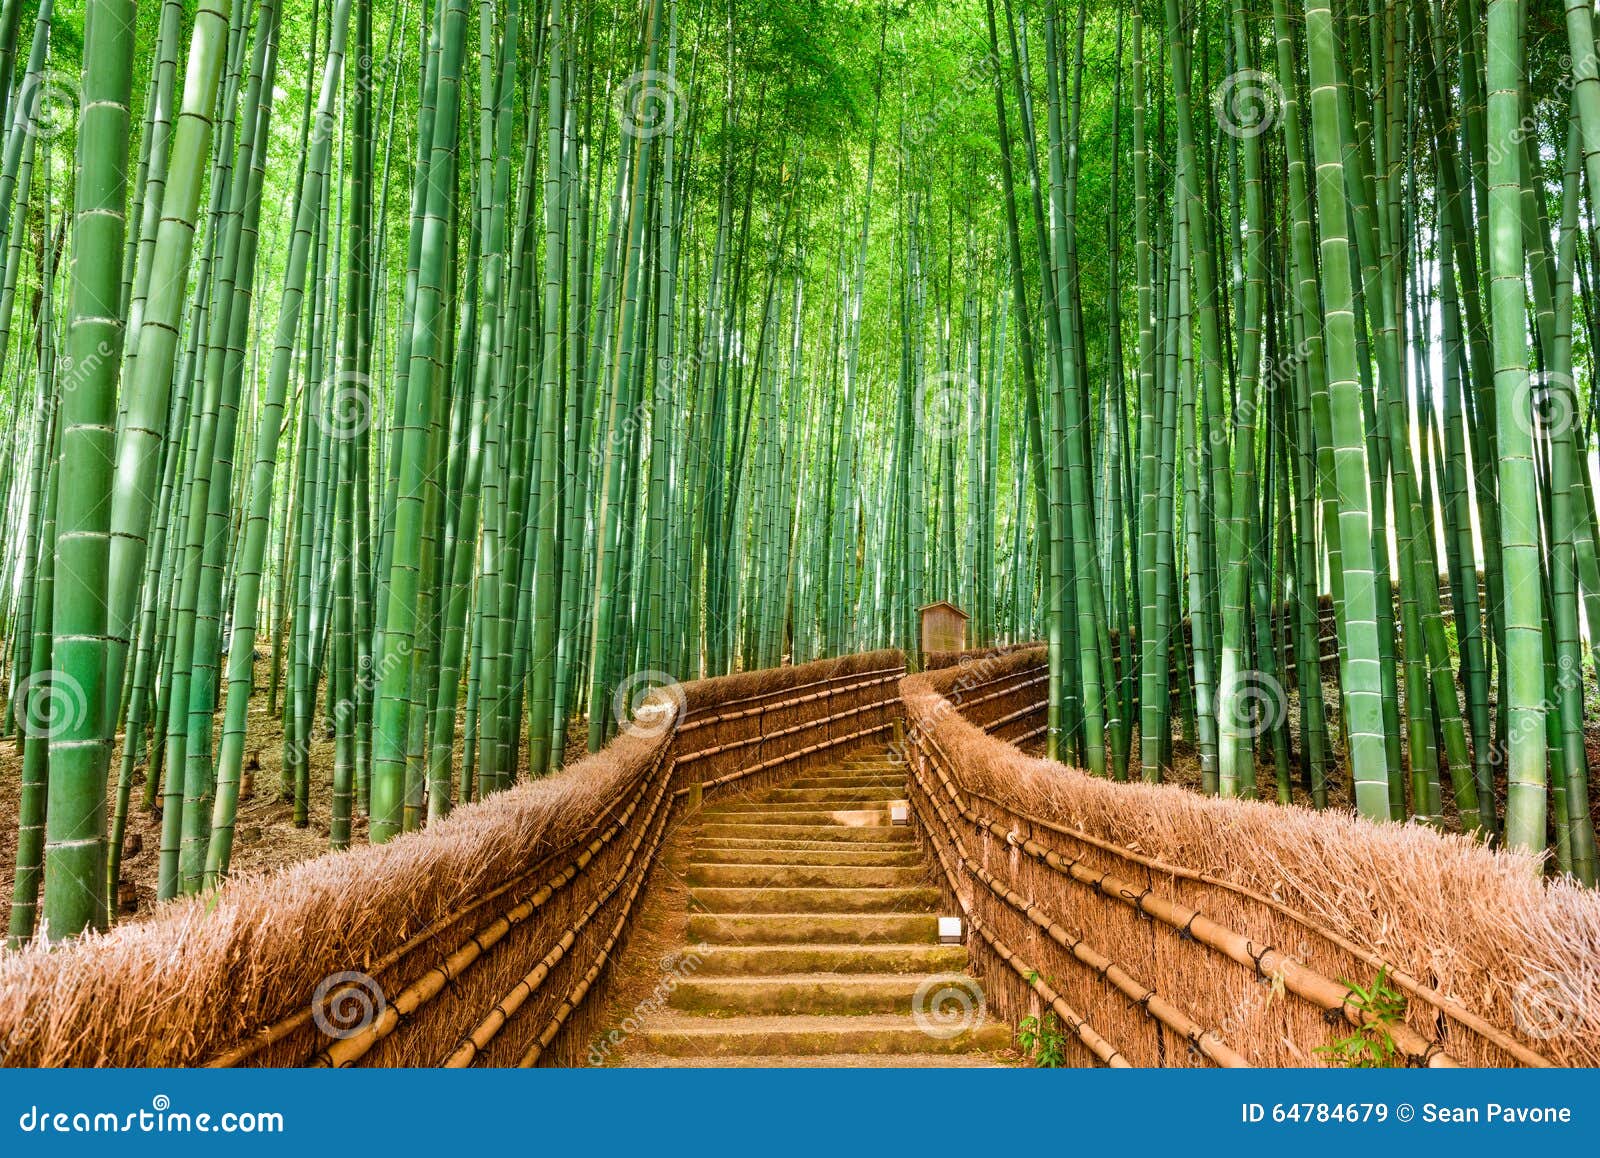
{"type": "Point", "coordinates": [829, 797]}
{"type": "Point", "coordinates": [859, 855]}
{"type": "Point", "coordinates": [679, 1034]}
{"type": "Point", "coordinates": [877, 833]}
{"type": "Point", "coordinates": [850, 781]}
{"type": "Point", "coordinates": [891, 842]}
{"type": "Point", "coordinates": [797, 993]}
{"type": "Point", "coordinates": [840, 802]}
{"type": "Point", "coordinates": [794, 876]}
{"type": "Point", "coordinates": [849, 817]}
{"type": "Point", "coordinates": [815, 935]}
{"type": "Point", "coordinates": [744, 960]}
{"type": "Point", "coordinates": [814, 928]}
{"type": "Point", "coordinates": [814, 900]}
{"type": "Point", "coordinates": [918, 1061]}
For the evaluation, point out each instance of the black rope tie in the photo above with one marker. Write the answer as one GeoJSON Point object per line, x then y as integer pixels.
{"type": "Point", "coordinates": [1137, 900]}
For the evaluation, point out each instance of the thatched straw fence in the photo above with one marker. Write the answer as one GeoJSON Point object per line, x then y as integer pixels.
{"type": "Point", "coordinates": [483, 940]}
{"type": "Point", "coordinates": [1162, 927]}
{"type": "Point", "coordinates": [1168, 928]}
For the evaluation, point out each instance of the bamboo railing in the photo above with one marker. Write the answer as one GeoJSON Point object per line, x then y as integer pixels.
{"type": "Point", "coordinates": [485, 939]}
{"type": "Point", "coordinates": [1182, 958]}
{"type": "Point", "coordinates": [1159, 927]}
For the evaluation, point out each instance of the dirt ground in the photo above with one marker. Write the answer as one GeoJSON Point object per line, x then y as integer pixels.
{"type": "Point", "coordinates": [264, 835]}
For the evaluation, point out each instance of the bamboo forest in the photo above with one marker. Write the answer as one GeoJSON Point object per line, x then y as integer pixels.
{"type": "Point", "coordinates": [409, 403]}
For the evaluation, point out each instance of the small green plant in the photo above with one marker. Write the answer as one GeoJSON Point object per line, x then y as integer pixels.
{"type": "Point", "coordinates": [1043, 1042]}
{"type": "Point", "coordinates": [1372, 1045]}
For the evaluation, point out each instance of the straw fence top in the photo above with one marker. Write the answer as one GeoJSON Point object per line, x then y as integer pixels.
{"type": "Point", "coordinates": [1481, 926]}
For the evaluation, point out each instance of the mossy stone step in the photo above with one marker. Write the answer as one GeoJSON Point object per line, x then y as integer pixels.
{"type": "Point", "coordinates": [796, 993]}
{"type": "Point", "coordinates": [713, 899]}
{"type": "Point", "coordinates": [899, 1061]}
{"type": "Point", "coordinates": [795, 876]}
{"type": "Point", "coordinates": [814, 928]}
{"type": "Point", "coordinates": [762, 960]}
{"type": "Point", "coordinates": [876, 833]}
{"type": "Point", "coordinates": [681, 1034]}
{"type": "Point", "coordinates": [829, 796]}
{"type": "Point", "coordinates": [891, 843]}
{"type": "Point", "coordinates": [896, 856]}
{"type": "Point", "coordinates": [853, 816]}
{"type": "Point", "coordinates": [851, 781]}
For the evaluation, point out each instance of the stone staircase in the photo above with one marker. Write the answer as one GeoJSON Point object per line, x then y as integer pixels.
{"type": "Point", "coordinates": [814, 924]}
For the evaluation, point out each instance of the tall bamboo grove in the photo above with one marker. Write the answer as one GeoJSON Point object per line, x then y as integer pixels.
{"type": "Point", "coordinates": [396, 392]}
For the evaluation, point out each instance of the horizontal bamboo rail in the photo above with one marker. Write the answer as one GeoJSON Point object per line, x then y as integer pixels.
{"type": "Point", "coordinates": [1203, 1039]}
{"type": "Point", "coordinates": [1070, 1017]}
{"type": "Point", "coordinates": [787, 758]}
{"type": "Point", "coordinates": [731, 709]}
{"type": "Point", "coordinates": [478, 1038]}
{"type": "Point", "coordinates": [793, 729]}
{"type": "Point", "coordinates": [1413, 987]}
{"type": "Point", "coordinates": [629, 877]}
{"type": "Point", "coordinates": [282, 1028]}
{"type": "Point", "coordinates": [1091, 1038]}
{"type": "Point", "coordinates": [575, 996]}
{"type": "Point", "coordinates": [346, 1050]}
{"type": "Point", "coordinates": [1268, 962]}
